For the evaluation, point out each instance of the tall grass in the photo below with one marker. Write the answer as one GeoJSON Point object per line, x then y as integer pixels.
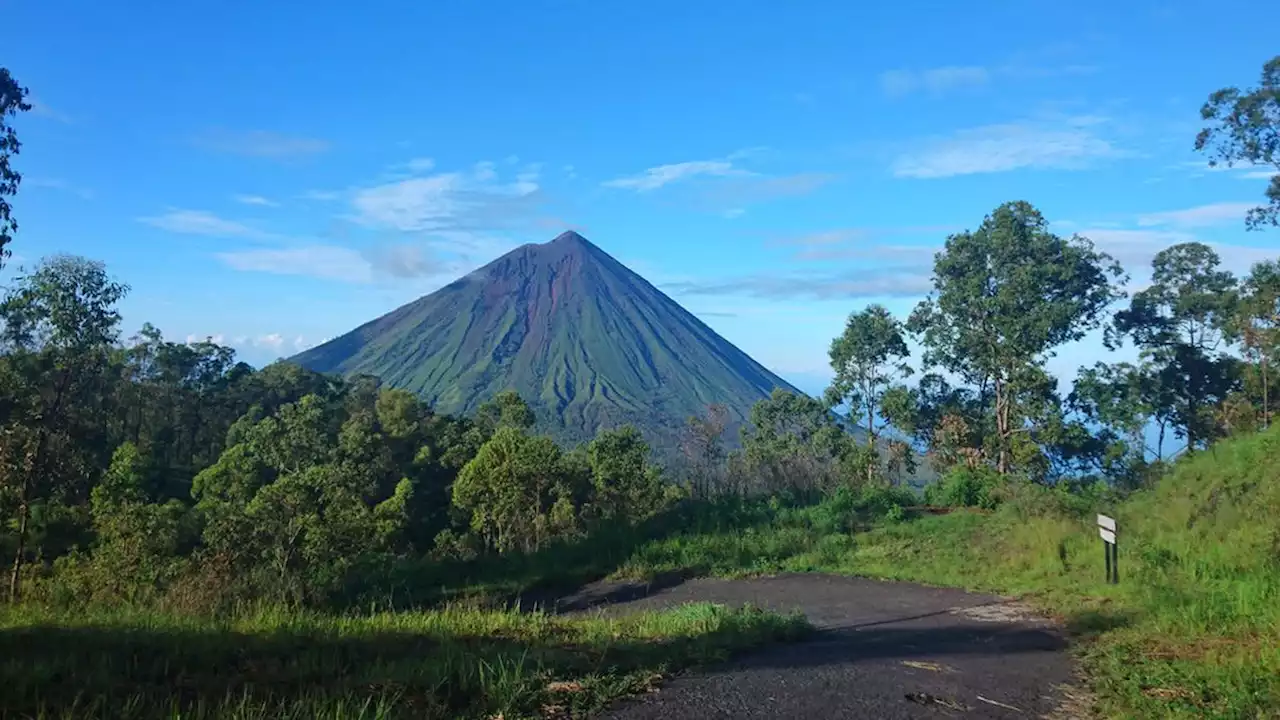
{"type": "Point", "coordinates": [455, 662]}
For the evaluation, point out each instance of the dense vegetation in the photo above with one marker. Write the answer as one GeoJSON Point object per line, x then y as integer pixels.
{"type": "Point", "coordinates": [190, 535]}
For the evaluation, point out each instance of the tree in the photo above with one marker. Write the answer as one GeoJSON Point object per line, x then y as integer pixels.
{"type": "Point", "coordinates": [625, 486]}
{"type": "Point", "coordinates": [1257, 325]}
{"type": "Point", "coordinates": [1004, 296]}
{"type": "Point", "coordinates": [1179, 325]}
{"type": "Point", "coordinates": [1246, 129]}
{"type": "Point", "coordinates": [1127, 398]}
{"type": "Point", "coordinates": [867, 359]}
{"type": "Point", "coordinates": [702, 445]}
{"type": "Point", "coordinates": [59, 323]}
{"type": "Point", "coordinates": [515, 491]}
{"type": "Point", "coordinates": [795, 441]}
{"type": "Point", "coordinates": [12, 101]}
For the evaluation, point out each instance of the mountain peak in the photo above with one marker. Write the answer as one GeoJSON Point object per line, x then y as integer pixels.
{"type": "Point", "coordinates": [569, 237]}
{"type": "Point", "coordinates": [587, 342]}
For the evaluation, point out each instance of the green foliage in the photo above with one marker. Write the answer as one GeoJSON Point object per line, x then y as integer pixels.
{"type": "Point", "coordinates": [1180, 325]}
{"type": "Point", "coordinates": [977, 487]}
{"type": "Point", "coordinates": [792, 446]}
{"type": "Point", "coordinates": [1246, 129]}
{"type": "Point", "coordinates": [12, 101]}
{"type": "Point", "coordinates": [1004, 296]}
{"type": "Point", "coordinates": [516, 493]}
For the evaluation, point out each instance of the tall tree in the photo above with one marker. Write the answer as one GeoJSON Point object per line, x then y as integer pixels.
{"type": "Point", "coordinates": [1257, 325]}
{"type": "Point", "coordinates": [794, 441]}
{"type": "Point", "coordinates": [1178, 324]}
{"type": "Point", "coordinates": [1004, 296]}
{"type": "Point", "coordinates": [1246, 129]}
{"type": "Point", "coordinates": [868, 359]}
{"type": "Point", "coordinates": [12, 101]}
{"type": "Point", "coordinates": [59, 323]}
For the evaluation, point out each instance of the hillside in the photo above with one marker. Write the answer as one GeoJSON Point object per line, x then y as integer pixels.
{"type": "Point", "coordinates": [586, 341]}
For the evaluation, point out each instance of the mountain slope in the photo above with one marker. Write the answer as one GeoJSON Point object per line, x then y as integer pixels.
{"type": "Point", "coordinates": [586, 341]}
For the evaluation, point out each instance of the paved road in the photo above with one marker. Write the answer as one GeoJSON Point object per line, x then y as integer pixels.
{"type": "Point", "coordinates": [884, 651]}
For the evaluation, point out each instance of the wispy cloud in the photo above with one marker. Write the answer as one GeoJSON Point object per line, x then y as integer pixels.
{"type": "Point", "coordinates": [59, 184]}
{"type": "Point", "coordinates": [936, 81]}
{"type": "Point", "coordinates": [39, 108]}
{"type": "Point", "coordinates": [854, 283]}
{"type": "Point", "coordinates": [1199, 216]}
{"type": "Point", "coordinates": [737, 192]}
{"type": "Point", "coordinates": [1135, 248]}
{"type": "Point", "coordinates": [200, 222]}
{"type": "Point", "coordinates": [329, 262]}
{"type": "Point", "coordinates": [255, 200]}
{"type": "Point", "coordinates": [656, 177]}
{"type": "Point", "coordinates": [1070, 144]}
{"type": "Point", "coordinates": [453, 201]}
{"type": "Point", "coordinates": [262, 143]}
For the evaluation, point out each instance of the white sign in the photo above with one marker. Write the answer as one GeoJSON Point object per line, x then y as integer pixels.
{"type": "Point", "coordinates": [1107, 522]}
{"type": "Point", "coordinates": [1107, 535]}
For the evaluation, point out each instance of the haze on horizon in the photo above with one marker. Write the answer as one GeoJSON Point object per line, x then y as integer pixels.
{"type": "Point", "coordinates": [273, 179]}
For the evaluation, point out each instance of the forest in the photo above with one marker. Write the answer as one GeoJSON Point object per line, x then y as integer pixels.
{"type": "Point", "coordinates": [169, 478]}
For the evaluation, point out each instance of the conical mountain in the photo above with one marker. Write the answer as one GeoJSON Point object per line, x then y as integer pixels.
{"type": "Point", "coordinates": [586, 342]}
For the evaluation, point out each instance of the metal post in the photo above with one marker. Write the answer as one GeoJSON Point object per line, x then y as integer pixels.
{"type": "Point", "coordinates": [1106, 550]}
{"type": "Point", "coordinates": [1115, 562]}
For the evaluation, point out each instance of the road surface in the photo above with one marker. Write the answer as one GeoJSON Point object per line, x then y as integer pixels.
{"type": "Point", "coordinates": [884, 650]}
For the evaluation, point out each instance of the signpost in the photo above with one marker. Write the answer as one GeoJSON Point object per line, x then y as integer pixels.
{"type": "Point", "coordinates": [1107, 529]}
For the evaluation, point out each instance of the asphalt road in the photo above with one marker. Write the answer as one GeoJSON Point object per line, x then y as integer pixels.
{"type": "Point", "coordinates": [885, 650]}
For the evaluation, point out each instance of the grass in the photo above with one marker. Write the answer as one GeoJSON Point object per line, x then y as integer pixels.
{"type": "Point", "coordinates": [1192, 630]}
{"type": "Point", "coordinates": [454, 662]}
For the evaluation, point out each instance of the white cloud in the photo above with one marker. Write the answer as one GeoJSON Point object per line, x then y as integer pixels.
{"type": "Point", "coordinates": [1259, 174]}
{"type": "Point", "coordinates": [933, 80]}
{"type": "Point", "coordinates": [655, 177]}
{"type": "Point", "coordinates": [328, 262]}
{"type": "Point", "coordinates": [1067, 145]}
{"type": "Point", "coordinates": [200, 222]}
{"type": "Point", "coordinates": [452, 201]}
{"type": "Point", "coordinates": [262, 143]}
{"type": "Point", "coordinates": [255, 200]}
{"type": "Point", "coordinates": [216, 339]}
{"type": "Point", "coordinates": [732, 213]}
{"type": "Point", "coordinates": [273, 341]}
{"type": "Point", "coordinates": [300, 343]}
{"type": "Point", "coordinates": [1199, 216]}
{"type": "Point", "coordinates": [321, 195]}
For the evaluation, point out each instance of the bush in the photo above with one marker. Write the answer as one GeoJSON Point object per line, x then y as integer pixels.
{"type": "Point", "coordinates": [967, 487]}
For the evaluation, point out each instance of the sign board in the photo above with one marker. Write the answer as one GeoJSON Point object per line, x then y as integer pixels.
{"type": "Point", "coordinates": [1107, 535]}
{"type": "Point", "coordinates": [1107, 522]}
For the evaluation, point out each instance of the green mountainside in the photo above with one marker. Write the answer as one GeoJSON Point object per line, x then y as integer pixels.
{"type": "Point", "coordinates": [586, 341]}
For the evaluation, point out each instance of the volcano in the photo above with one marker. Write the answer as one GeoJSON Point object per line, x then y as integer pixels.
{"type": "Point", "coordinates": [588, 343]}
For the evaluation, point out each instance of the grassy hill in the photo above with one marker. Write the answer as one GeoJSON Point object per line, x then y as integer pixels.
{"type": "Point", "coordinates": [586, 341]}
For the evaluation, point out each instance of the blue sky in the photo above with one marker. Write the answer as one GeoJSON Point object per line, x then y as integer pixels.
{"type": "Point", "coordinates": [274, 174]}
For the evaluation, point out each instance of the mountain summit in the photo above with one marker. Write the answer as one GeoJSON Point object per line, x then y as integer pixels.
{"type": "Point", "coordinates": [588, 343]}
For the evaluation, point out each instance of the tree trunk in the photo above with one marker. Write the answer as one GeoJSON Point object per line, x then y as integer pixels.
{"type": "Point", "coordinates": [871, 439]}
{"type": "Point", "coordinates": [1266, 401]}
{"type": "Point", "coordinates": [24, 511]}
{"type": "Point", "coordinates": [1002, 427]}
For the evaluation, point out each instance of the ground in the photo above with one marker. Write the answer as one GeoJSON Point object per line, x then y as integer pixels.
{"type": "Point", "coordinates": [884, 650]}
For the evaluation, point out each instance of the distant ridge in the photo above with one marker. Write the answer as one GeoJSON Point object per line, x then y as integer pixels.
{"type": "Point", "coordinates": [586, 341]}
